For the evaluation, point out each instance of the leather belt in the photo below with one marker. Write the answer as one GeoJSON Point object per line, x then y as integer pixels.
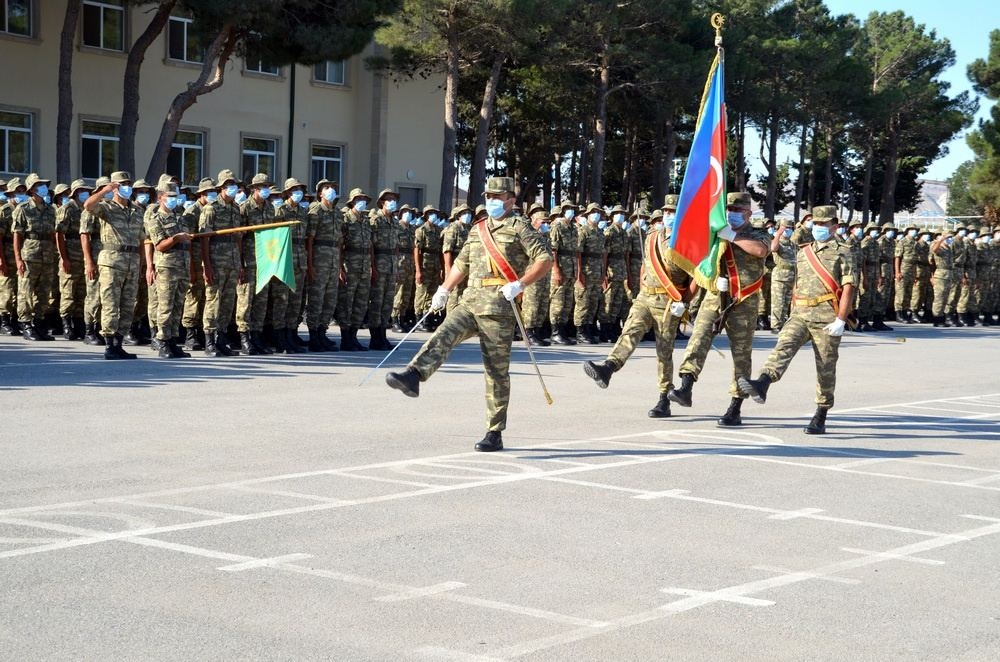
{"type": "Point", "coordinates": [486, 282]}
{"type": "Point", "coordinates": [652, 290]}
{"type": "Point", "coordinates": [328, 243]}
{"type": "Point", "coordinates": [591, 254]}
{"type": "Point", "coordinates": [431, 251]}
{"type": "Point", "coordinates": [121, 249]}
{"type": "Point", "coordinates": [384, 251]}
{"type": "Point", "coordinates": [356, 251]}
{"type": "Point", "coordinates": [814, 301]}
{"type": "Point", "coordinates": [39, 236]}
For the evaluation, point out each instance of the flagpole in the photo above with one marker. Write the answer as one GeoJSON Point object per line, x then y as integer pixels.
{"type": "Point", "coordinates": [247, 228]}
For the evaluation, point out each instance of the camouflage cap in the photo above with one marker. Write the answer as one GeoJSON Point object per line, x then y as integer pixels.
{"type": "Point", "coordinates": [325, 182]}
{"type": "Point", "coordinates": [566, 204]}
{"type": "Point", "coordinates": [555, 212]}
{"type": "Point", "coordinates": [170, 189]}
{"type": "Point", "coordinates": [384, 193]}
{"type": "Point", "coordinates": [641, 212]}
{"type": "Point", "coordinates": [461, 209]}
{"type": "Point", "coordinates": [657, 216]}
{"type": "Point", "coordinates": [120, 176]}
{"type": "Point", "coordinates": [204, 186]}
{"type": "Point", "coordinates": [33, 179]}
{"type": "Point", "coordinates": [535, 207]}
{"type": "Point", "coordinates": [164, 180]}
{"type": "Point", "coordinates": [592, 207]}
{"type": "Point", "coordinates": [888, 225]}
{"type": "Point", "coordinates": [261, 179]}
{"type": "Point", "coordinates": [428, 209]}
{"type": "Point", "coordinates": [788, 222]}
{"type": "Point", "coordinates": [102, 181]}
{"type": "Point", "coordinates": [78, 185]}
{"type": "Point", "coordinates": [825, 213]}
{"type": "Point", "coordinates": [357, 193]}
{"type": "Point", "coordinates": [498, 185]}
{"type": "Point", "coordinates": [856, 224]}
{"type": "Point", "coordinates": [757, 223]}
{"type": "Point", "coordinates": [480, 211]}
{"type": "Point", "coordinates": [226, 177]}
{"type": "Point", "coordinates": [738, 200]}
{"type": "Point", "coordinates": [59, 189]}
{"type": "Point", "coordinates": [13, 184]}
{"type": "Point", "coordinates": [141, 184]}
{"type": "Point", "coordinates": [670, 201]}
{"type": "Point", "coordinates": [292, 183]}
{"type": "Point", "coordinates": [618, 209]}
{"type": "Point", "coordinates": [769, 220]}
{"type": "Point", "coordinates": [911, 227]}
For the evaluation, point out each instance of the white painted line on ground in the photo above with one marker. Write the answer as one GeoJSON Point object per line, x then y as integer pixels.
{"type": "Point", "coordinates": [701, 598]}
{"type": "Point", "coordinates": [918, 402]}
{"type": "Point", "coordinates": [169, 506]}
{"type": "Point", "coordinates": [264, 563]}
{"type": "Point", "coordinates": [420, 592]}
{"type": "Point", "coordinates": [860, 463]}
{"type": "Point", "coordinates": [30, 541]}
{"type": "Point", "coordinates": [890, 555]}
{"type": "Point", "coordinates": [952, 410]}
{"type": "Point", "coordinates": [983, 479]}
{"type": "Point", "coordinates": [380, 479]}
{"type": "Point", "coordinates": [806, 575]}
{"type": "Point", "coordinates": [188, 549]}
{"type": "Point", "coordinates": [289, 494]}
{"type": "Point", "coordinates": [982, 518]}
{"type": "Point", "coordinates": [796, 514]}
{"type": "Point", "coordinates": [436, 653]}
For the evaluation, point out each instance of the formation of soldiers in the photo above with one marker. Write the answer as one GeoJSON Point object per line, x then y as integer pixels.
{"type": "Point", "coordinates": [126, 262]}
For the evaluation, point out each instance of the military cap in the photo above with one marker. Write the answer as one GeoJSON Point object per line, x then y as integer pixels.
{"type": "Point", "coordinates": [3, 185]}
{"type": "Point", "coordinates": [555, 212]}
{"type": "Point", "coordinates": [140, 184]}
{"type": "Point", "coordinates": [406, 208]}
{"type": "Point", "coordinates": [357, 193]}
{"type": "Point", "coordinates": [888, 225]}
{"type": "Point", "coordinates": [13, 184]}
{"type": "Point", "coordinates": [657, 216]}
{"type": "Point", "coordinates": [516, 210]}
{"type": "Point", "coordinates": [741, 200]}
{"type": "Point", "coordinates": [261, 179]}
{"type": "Point", "coordinates": [856, 224]}
{"type": "Point", "coordinates": [163, 180]}
{"type": "Point", "coordinates": [825, 214]}
{"type": "Point", "coordinates": [78, 185]}
{"type": "Point", "coordinates": [788, 222]}
{"type": "Point", "coordinates": [670, 201]}
{"type": "Point", "coordinates": [428, 209]}
{"type": "Point", "coordinates": [384, 193]}
{"type": "Point", "coordinates": [59, 189]}
{"type": "Point", "coordinates": [226, 176]}
{"type": "Point", "coordinates": [325, 182]}
{"type": "Point", "coordinates": [102, 181]}
{"type": "Point", "coordinates": [805, 217]}
{"type": "Point", "coordinates": [204, 186]}
{"type": "Point", "coordinates": [960, 226]}
{"type": "Point", "coordinates": [291, 183]}
{"type": "Point", "coordinates": [170, 189]}
{"type": "Point", "coordinates": [618, 209]}
{"type": "Point", "coordinates": [592, 207]}
{"type": "Point", "coordinates": [461, 209]}
{"type": "Point", "coordinates": [497, 185]}
{"type": "Point", "coordinates": [119, 176]}
{"type": "Point", "coordinates": [33, 179]}
{"type": "Point", "coordinates": [757, 223]}
{"type": "Point", "coordinates": [536, 206]}
{"type": "Point", "coordinates": [911, 227]}
{"type": "Point", "coordinates": [566, 204]}
{"type": "Point", "coordinates": [641, 212]}
{"type": "Point", "coordinates": [480, 211]}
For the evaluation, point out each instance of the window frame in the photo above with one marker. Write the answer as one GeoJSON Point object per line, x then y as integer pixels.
{"type": "Point", "coordinates": [187, 40]}
{"type": "Point", "coordinates": [104, 5]}
{"type": "Point", "coordinates": [203, 149]}
{"type": "Point", "coordinates": [83, 136]}
{"type": "Point", "coordinates": [346, 83]}
{"type": "Point", "coordinates": [276, 175]}
{"type": "Point", "coordinates": [32, 152]}
{"type": "Point", "coordinates": [313, 144]}
{"type": "Point", "coordinates": [32, 21]}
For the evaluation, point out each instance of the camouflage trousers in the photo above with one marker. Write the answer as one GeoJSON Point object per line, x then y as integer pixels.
{"type": "Point", "coordinates": [171, 289]}
{"type": "Point", "coordinates": [119, 289]}
{"type": "Point", "coordinates": [796, 332]}
{"type": "Point", "coordinates": [561, 300]}
{"type": "Point", "coordinates": [740, 325]}
{"type": "Point", "coordinates": [220, 299]}
{"type": "Point", "coordinates": [321, 293]}
{"type": "Point", "coordinates": [649, 311]}
{"type": "Point", "coordinates": [694, 305]}
{"type": "Point", "coordinates": [868, 292]}
{"type": "Point", "coordinates": [194, 298]}
{"type": "Point", "coordinates": [381, 294]}
{"type": "Point", "coordinates": [402, 302]}
{"type": "Point", "coordinates": [72, 285]}
{"type": "Point", "coordinates": [535, 303]}
{"type": "Point", "coordinates": [34, 290]}
{"type": "Point", "coordinates": [943, 285]}
{"type": "Point", "coordinates": [142, 296]}
{"type": "Point", "coordinates": [964, 300]}
{"type": "Point", "coordinates": [152, 310]}
{"type": "Point", "coordinates": [8, 281]}
{"type": "Point", "coordinates": [293, 309]}
{"type": "Point", "coordinates": [904, 288]}
{"type": "Point", "coordinates": [352, 295]}
{"type": "Point", "coordinates": [495, 336]}
{"type": "Point", "coordinates": [781, 301]}
{"type": "Point", "coordinates": [980, 294]}
{"type": "Point", "coordinates": [884, 292]}
{"type": "Point", "coordinates": [92, 302]}
{"type": "Point", "coordinates": [764, 301]}
{"type": "Point", "coordinates": [424, 292]}
{"type": "Point", "coordinates": [921, 288]}
{"type": "Point", "coordinates": [587, 301]}
{"type": "Point", "coordinates": [615, 301]}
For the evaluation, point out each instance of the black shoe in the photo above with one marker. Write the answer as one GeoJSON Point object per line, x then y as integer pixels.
{"type": "Point", "coordinates": [561, 336]}
{"type": "Point", "coordinates": [349, 340]}
{"type": "Point", "coordinates": [818, 423]}
{"type": "Point", "coordinates": [536, 339]}
{"type": "Point", "coordinates": [117, 341]}
{"type": "Point", "coordinates": [155, 344]}
{"type": "Point", "coordinates": [211, 345]}
{"type": "Point", "coordinates": [163, 349]}
{"type": "Point", "coordinates": [195, 340]}
{"type": "Point", "coordinates": [908, 316]}
{"type": "Point", "coordinates": [7, 325]}
{"type": "Point", "coordinates": [755, 388]}
{"type": "Point", "coordinates": [970, 319]}
{"type": "Point", "coordinates": [315, 344]}
{"type": "Point", "coordinates": [30, 332]}
{"type": "Point", "coordinates": [110, 350]}
{"type": "Point", "coordinates": [90, 336]}
{"type": "Point", "coordinates": [174, 345]}
{"type": "Point", "coordinates": [662, 407]}
{"type": "Point", "coordinates": [247, 346]}
{"type": "Point", "coordinates": [379, 342]}
{"type": "Point", "coordinates": [397, 326]}
{"type": "Point", "coordinates": [732, 416]}
{"type": "Point", "coordinates": [682, 395]}
{"type": "Point", "coordinates": [865, 326]}
{"type": "Point", "coordinates": [491, 442]}
{"type": "Point", "coordinates": [407, 381]}
{"type": "Point", "coordinates": [599, 372]}
{"type": "Point", "coordinates": [330, 345]}
{"type": "Point", "coordinates": [956, 320]}
{"type": "Point", "coordinates": [258, 342]}
{"type": "Point", "coordinates": [69, 331]}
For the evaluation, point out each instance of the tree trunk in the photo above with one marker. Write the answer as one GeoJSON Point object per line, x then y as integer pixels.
{"type": "Point", "coordinates": [866, 187]}
{"type": "Point", "coordinates": [626, 166]}
{"type": "Point", "coordinates": [890, 170]}
{"type": "Point", "coordinates": [671, 138]}
{"type": "Point", "coordinates": [211, 77]}
{"type": "Point", "coordinates": [772, 166]}
{"type": "Point", "coordinates": [800, 183]}
{"type": "Point", "coordinates": [572, 176]}
{"type": "Point", "coordinates": [660, 170]}
{"type": "Point", "coordinates": [600, 126]}
{"type": "Point", "coordinates": [450, 118]}
{"type": "Point", "coordinates": [633, 180]}
{"type": "Point", "coordinates": [477, 180]}
{"type": "Point", "coordinates": [812, 169]}
{"type": "Point", "coordinates": [64, 119]}
{"type": "Point", "coordinates": [557, 180]}
{"type": "Point", "coordinates": [130, 87]}
{"type": "Point", "coordinates": [828, 190]}
{"type": "Point", "coordinates": [741, 159]}
{"type": "Point", "coordinates": [584, 196]}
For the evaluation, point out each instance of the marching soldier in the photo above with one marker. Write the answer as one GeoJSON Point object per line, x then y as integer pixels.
{"type": "Point", "coordinates": [733, 307]}
{"type": "Point", "coordinates": [90, 242]}
{"type": "Point", "coordinates": [783, 274]}
{"type": "Point", "coordinates": [222, 261]}
{"type": "Point", "coordinates": [592, 277]}
{"type": "Point", "coordinates": [72, 284]}
{"type": "Point", "coordinates": [565, 242]}
{"type": "Point", "coordinates": [824, 294]}
{"type": "Point", "coordinates": [428, 265]}
{"type": "Point", "coordinates": [921, 276]}
{"type": "Point", "coordinates": [33, 226]}
{"type": "Point", "coordinates": [965, 275]}
{"type": "Point", "coordinates": [172, 242]}
{"type": "Point", "coordinates": [324, 245]}
{"type": "Point", "coordinates": [385, 245]}
{"type": "Point", "coordinates": [352, 297]}
{"type": "Point", "coordinates": [402, 302]}
{"type": "Point", "coordinates": [870, 277]}
{"type": "Point", "coordinates": [535, 302]}
{"type": "Point", "coordinates": [502, 256]}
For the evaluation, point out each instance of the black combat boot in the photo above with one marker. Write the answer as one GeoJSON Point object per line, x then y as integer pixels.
{"type": "Point", "coordinates": [865, 326]}
{"type": "Point", "coordinates": [6, 325]}
{"type": "Point", "coordinates": [378, 342]}
{"type": "Point", "coordinates": [387, 345]}
{"type": "Point", "coordinates": [132, 338]}
{"type": "Point", "coordinates": [257, 340]}
{"type": "Point", "coordinates": [329, 345]}
{"type": "Point", "coordinates": [174, 345]}
{"type": "Point", "coordinates": [110, 351]}
{"type": "Point", "coordinates": [536, 339]}
{"type": "Point", "coordinates": [294, 342]}
{"type": "Point", "coordinates": [69, 333]}
{"type": "Point", "coordinates": [490, 443]}
{"type": "Point", "coordinates": [604, 331]}
{"type": "Point", "coordinates": [880, 324]}
{"type": "Point", "coordinates": [600, 372]}
{"type": "Point", "coordinates": [30, 332]}
{"type": "Point", "coordinates": [154, 342]}
{"type": "Point", "coordinates": [281, 345]}
{"type": "Point", "coordinates": [357, 343]}
{"type": "Point", "coordinates": [561, 336]}
{"type": "Point", "coordinates": [42, 329]}
{"type": "Point", "coordinates": [195, 340]}
{"type": "Point", "coordinates": [162, 349]}
{"type": "Point", "coordinates": [247, 346]}
{"type": "Point", "coordinates": [315, 344]}
{"type": "Point", "coordinates": [732, 416]}
{"type": "Point", "coordinates": [818, 423]}
{"type": "Point", "coordinates": [90, 336]}
{"type": "Point", "coordinates": [765, 322]}
{"type": "Point", "coordinates": [211, 346]}
{"type": "Point", "coordinates": [407, 381]}
{"type": "Point", "coordinates": [397, 325]}
{"type": "Point", "coordinates": [908, 316]}
{"type": "Point", "coordinates": [755, 388]}
{"type": "Point", "coordinates": [956, 320]}
{"type": "Point", "coordinates": [682, 395]}
{"type": "Point", "coordinates": [970, 319]}
{"type": "Point", "coordinates": [424, 326]}
{"type": "Point", "coordinates": [119, 349]}
{"type": "Point", "coordinates": [662, 407]}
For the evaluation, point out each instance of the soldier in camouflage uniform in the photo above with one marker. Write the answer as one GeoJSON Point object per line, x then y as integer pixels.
{"type": "Point", "coordinates": [294, 209]}
{"type": "Point", "coordinates": [783, 274]}
{"type": "Point", "coordinates": [964, 268]}
{"type": "Point", "coordinates": [385, 245]}
{"type": "Point", "coordinates": [966, 305]}
{"type": "Point", "coordinates": [428, 266]}
{"type": "Point", "coordinates": [869, 278]}
{"type": "Point", "coordinates": [854, 235]}
{"type": "Point", "coordinates": [905, 256]}
{"type": "Point", "coordinates": [485, 310]}
{"type": "Point", "coordinates": [172, 242]}
{"type": "Point", "coordinates": [535, 302]}
{"type": "Point", "coordinates": [453, 238]}
{"type": "Point", "coordinates": [194, 300]}
{"type": "Point", "coordinates": [222, 260]}
{"type": "Point", "coordinates": [565, 245]}
{"type": "Point", "coordinates": [14, 190]}
{"type": "Point", "coordinates": [981, 236]}
{"type": "Point", "coordinates": [402, 303]}
{"type": "Point", "coordinates": [120, 224]}
{"type": "Point", "coordinates": [72, 283]}
{"type": "Point", "coordinates": [659, 306]}
{"type": "Point", "coordinates": [146, 305]}
{"type": "Point", "coordinates": [90, 242]}
{"type": "Point", "coordinates": [734, 304]}
{"type": "Point", "coordinates": [887, 282]}
{"type": "Point", "coordinates": [764, 299]}
{"type": "Point", "coordinates": [921, 276]}
{"type": "Point", "coordinates": [324, 244]}
{"type": "Point", "coordinates": [352, 297]}
{"type": "Point", "coordinates": [592, 277]}
{"type": "Point", "coordinates": [803, 233]}
{"type": "Point", "coordinates": [944, 276]}
{"type": "Point", "coordinates": [251, 305]}
{"type": "Point", "coordinates": [33, 226]}
{"type": "Point", "coordinates": [617, 246]}
{"type": "Point", "coordinates": [818, 315]}
{"type": "Point", "coordinates": [635, 236]}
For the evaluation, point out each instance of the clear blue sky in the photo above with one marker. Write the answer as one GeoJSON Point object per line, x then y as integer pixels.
{"type": "Point", "coordinates": [964, 23]}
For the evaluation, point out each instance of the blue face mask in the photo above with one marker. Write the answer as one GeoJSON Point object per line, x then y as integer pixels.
{"type": "Point", "coordinates": [21, 198]}
{"type": "Point", "coordinates": [735, 219]}
{"type": "Point", "coordinates": [109, 195]}
{"type": "Point", "coordinates": [787, 232]}
{"type": "Point", "coordinates": [390, 205]}
{"type": "Point", "coordinates": [406, 217]}
{"type": "Point", "coordinates": [873, 233]}
{"type": "Point", "coordinates": [619, 218]}
{"type": "Point", "coordinates": [231, 191]}
{"type": "Point", "coordinates": [642, 225]}
{"type": "Point", "coordinates": [569, 214]}
{"type": "Point", "coordinates": [925, 237]}
{"type": "Point", "coordinates": [626, 226]}
{"type": "Point", "coordinates": [47, 199]}
{"type": "Point", "coordinates": [949, 241]}
{"type": "Point", "coordinates": [240, 198]}
{"type": "Point", "coordinates": [466, 218]}
{"type": "Point", "coordinates": [911, 233]}
{"type": "Point", "coordinates": [329, 194]}
{"type": "Point", "coordinates": [303, 205]}
{"type": "Point", "coordinates": [63, 200]}
{"type": "Point", "coordinates": [594, 217]}
{"type": "Point", "coordinates": [820, 233]}
{"type": "Point", "coordinates": [857, 233]}
{"type": "Point", "coordinates": [212, 196]}
{"type": "Point", "coordinates": [296, 196]}
{"type": "Point", "coordinates": [891, 234]}
{"type": "Point", "coordinates": [544, 228]}
{"type": "Point", "coordinates": [3, 197]}
{"type": "Point", "coordinates": [433, 218]}
{"type": "Point", "coordinates": [601, 225]}
{"type": "Point", "coordinates": [360, 205]}
{"type": "Point", "coordinates": [142, 198]}
{"type": "Point", "coordinates": [182, 198]}
{"type": "Point", "coordinates": [171, 202]}
{"type": "Point", "coordinates": [277, 202]}
{"type": "Point", "coordinates": [841, 232]}
{"type": "Point", "coordinates": [962, 233]}
{"type": "Point", "coordinates": [416, 221]}
{"type": "Point", "coordinates": [494, 207]}
{"type": "Point", "coordinates": [973, 235]}
{"type": "Point", "coordinates": [264, 192]}
{"type": "Point", "coordinates": [808, 225]}
{"type": "Point", "coordinates": [41, 190]}
{"type": "Point", "coordinates": [82, 196]}
{"type": "Point", "coordinates": [125, 191]}
{"type": "Point", "coordinates": [770, 231]}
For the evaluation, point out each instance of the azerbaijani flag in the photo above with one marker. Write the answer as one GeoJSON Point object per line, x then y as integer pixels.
{"type": "Point", "coordinates": [701, 211]}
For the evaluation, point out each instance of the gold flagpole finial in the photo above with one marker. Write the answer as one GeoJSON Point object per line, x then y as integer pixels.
{"type": "Point", "coordinates": [718, 20]}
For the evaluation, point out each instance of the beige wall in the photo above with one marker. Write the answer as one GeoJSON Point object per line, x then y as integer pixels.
{"type": "Point", "coordinates": [387, 131]}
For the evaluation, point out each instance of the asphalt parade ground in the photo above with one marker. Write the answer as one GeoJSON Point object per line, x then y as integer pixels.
{"type": "Point", "coordinates": [272, 509]}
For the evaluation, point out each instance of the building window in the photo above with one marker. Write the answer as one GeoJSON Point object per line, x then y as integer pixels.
{"type": "Point", "coordinates": [255, 62]}
{"type": "Point", "coordinates": [16, 18]}
{"type": "Point", "coordinates": [98, 149]}
{"type": "Point", "coordinates": [331, 73]}
{"type": "Point", "coordinates": [181, 44]}
{"type": "Point", "coordinates": [15, 142]}
{"type": "Point", "coordinates": [187, 156]}
{"type": "Point", "coordinates": [259, 155]}
{"type": "Point", "coordinates": [327, 163]}
{"type": "Point", "coordinates": [411, 195]}
{"type": "Point", "coordinates": [104, 24]}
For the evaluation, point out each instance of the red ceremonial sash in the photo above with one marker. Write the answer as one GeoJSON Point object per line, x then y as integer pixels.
{"type": "Point", "coordinates": [490, 244]}
{"type": "Point", "coordinates": [739, 293]}
{"type": "Point", "coordinates": [825, 276]}
{"type": "Point", "coordinates": [656, 260]}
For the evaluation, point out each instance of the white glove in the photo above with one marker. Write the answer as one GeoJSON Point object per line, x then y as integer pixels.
{"type": "Point", "coordinates": [722, 284]}
{"type": "Point", "coordinates": [727, 233]}
{"type": "Point", "coordinates": [440, 298]}
{"type": "Point", "coordinates": [836, 327]}
{"type": "Point", "coordinates": [677, 308]}
{"type": "Point", "coordinates": [511, 290]}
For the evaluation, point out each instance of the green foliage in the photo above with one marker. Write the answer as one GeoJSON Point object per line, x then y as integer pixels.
{"type": "Point", "coordinates": [984, 175]}
{"type": "Point", "coordinates": [960, 200]}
